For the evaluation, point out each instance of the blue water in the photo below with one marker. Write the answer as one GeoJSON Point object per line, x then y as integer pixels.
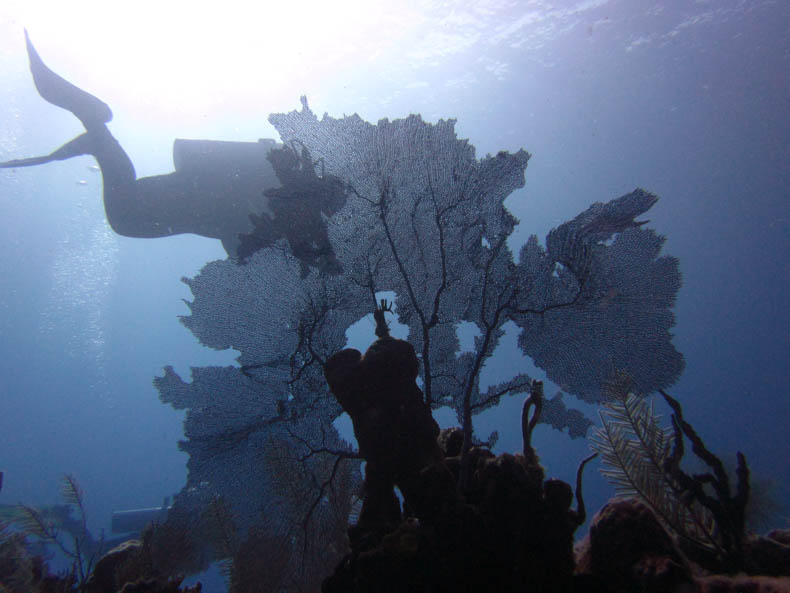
{"type": "Point", "coordinates": [690, 100]}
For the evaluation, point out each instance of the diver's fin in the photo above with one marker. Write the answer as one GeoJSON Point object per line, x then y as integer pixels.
{"type": "Point", "coordinates": [32, 161]}
{"type": "Point", "coordinates": [57, 90]}
{"type": "Point", "coordinates": [81, 145]}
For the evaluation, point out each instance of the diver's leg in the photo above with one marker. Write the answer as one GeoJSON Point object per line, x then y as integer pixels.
{"type": "Point", "coordinates": [161, 205]}
{"type": "Point", "coordinates": [127, 214]}
{"type": "Point", "coordinates": [81, 145]}
{"type": "Point", "coordinates": [57, 90]}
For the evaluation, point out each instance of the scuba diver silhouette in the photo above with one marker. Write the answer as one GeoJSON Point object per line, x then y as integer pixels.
{"type": "Point", "coordinates": [216, 190]}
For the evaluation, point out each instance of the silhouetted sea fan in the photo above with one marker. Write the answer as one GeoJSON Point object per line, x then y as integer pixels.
{"type": "Point", "coordinates": [425, 219]}
{"type": "Point", "coordinates": [265, 310]}
{"type": "Point", "coordinates": [428, 223]}
{"type": "Point", "coordinates": [556, 414]}
{"type": "Point", "coordinates": [598, 301]}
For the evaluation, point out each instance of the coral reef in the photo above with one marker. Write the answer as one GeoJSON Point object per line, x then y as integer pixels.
{"type": "Point", "coordinates": [644, 460]}
{"type": "Point", "coordinates": [628, 549]}
{"type": "Point", "coordinates": [405, 207]}
{"type": "Point", "coordinates": [509, 531]}
{"type": "Point", "coordinates": [132, 567]}
{"type": "Point", "coordinates": [128, 569]}
{"type": "Point", "coordinates": [473, 521]}
{"type": "Point", "coordinates": [393, 425]}
{"type": "Point", "coordinates": [635, 451]}
{"type": "Point", "coordinates": [154, 563]}
{"type": "Point", "coordinates": [727, 510]}
{"type": "Point", "coordinates": [48, 525]}
{"type": "Point", "coordinates": [402, 206]}
{"type": "Point", "coordinates": [500, 528]}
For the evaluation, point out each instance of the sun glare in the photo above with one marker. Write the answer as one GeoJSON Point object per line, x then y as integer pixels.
{"type": "Point", "coordinates": [190, 57]}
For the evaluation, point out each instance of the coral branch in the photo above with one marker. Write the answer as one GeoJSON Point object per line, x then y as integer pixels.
{"type": "Point", "coordinates": [528, 424]}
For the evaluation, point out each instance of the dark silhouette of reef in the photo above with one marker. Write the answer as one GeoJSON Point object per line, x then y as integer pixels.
{"type": "Point", "coordinates": [513, 531]}
{"type": "Point", "coordinates": [148, 565]}
{"type": "Point", "coordinates": [471, 521]}
{"type": "Point", "coordinates": [468, 522]}
{"type": "Point", "coordinates": [628, 549]}
{"type": "Point", "coordinates": [482, 522]}
{"type": "Point", "coordinates": [510, 530]}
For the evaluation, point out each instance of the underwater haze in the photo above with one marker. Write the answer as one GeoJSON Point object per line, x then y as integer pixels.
{"type": "Point", "coordinates": [688, 100]}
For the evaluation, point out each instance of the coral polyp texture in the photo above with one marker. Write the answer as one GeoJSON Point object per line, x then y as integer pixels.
{"type": "Point", "coordinates": [412, 211]}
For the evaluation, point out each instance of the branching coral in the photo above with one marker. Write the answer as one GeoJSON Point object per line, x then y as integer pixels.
{"type": "Point", "coordinates": [48, 525]}
{"type": "Point", "coordinates": [728, 509]}
{"type": "Point", "coordinates": [642, 459]}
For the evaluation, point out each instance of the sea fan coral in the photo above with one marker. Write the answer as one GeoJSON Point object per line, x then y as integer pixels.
{"type": "Point", "coordinates": [424, 218]}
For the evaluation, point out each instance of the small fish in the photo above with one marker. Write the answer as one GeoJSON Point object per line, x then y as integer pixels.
{"type": "Point", "coordinates": [94, 168]}
{"type": "Point", "coordinates": [82, 182]}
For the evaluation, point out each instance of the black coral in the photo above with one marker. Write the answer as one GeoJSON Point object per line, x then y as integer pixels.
{"type": "Point", "coordinates": [634, 450]}
{"type": "Point", "coordinates": [642, 459]}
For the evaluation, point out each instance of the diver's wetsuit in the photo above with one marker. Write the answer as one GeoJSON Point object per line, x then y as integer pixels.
{"type": "Point", "coordinates": [212, 192]}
